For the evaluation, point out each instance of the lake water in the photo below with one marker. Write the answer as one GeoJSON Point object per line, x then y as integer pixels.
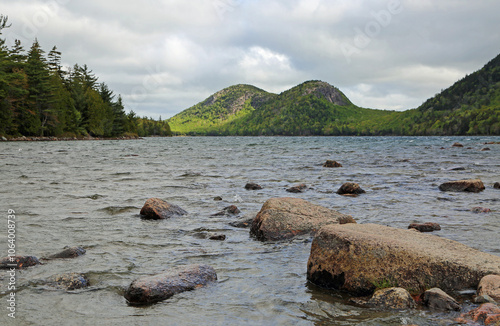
{"type": "Point", "coordinates": [89, 194]}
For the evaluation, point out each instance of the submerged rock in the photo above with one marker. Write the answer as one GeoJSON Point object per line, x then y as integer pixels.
{"type": "Point", "coordinates": [457, 145]}
{"type": "Point", "coordinates": [69, 253]}
{"type": "Point", "coordinates": [284, 218]}
{"type": "Point", "coordinates": [350, 188]}
{"type": "Point", "coordinates": [252, 186]}
{"type": "Point", "coordinates": [490, 285]}
{"type": "Point", "coordinates": [425, 227]}
{"type": "Point", "coordinates": [227, 211]}
{"type": "Point", "coordinates": [217, 237]}
{"type": "Point", "coordinates": [356, 257]}
{"type": "Point", "coordinates": [70, 281]}
{"type": "Point", "coordinates": [392, 298]}
{"type": "Point", "coordinates": [18, 262]}
{"type": "Point", "coordinates": [242, 224]}
{"type": "Point", "coordinates": [437, 299]}
{"type": "Point", "coordinates": [487, 313]}
{"type": "Point", "coordinates": [478, 210]}
{"type": "Point", "coordinates": [297, 189]}
{"type": "Point", "coordinates": [496, 185]}
{"type": "Point", "coordinates": [463, 185]}
{"type": "Point", "coordinates": [332, 164]}
{"type": "Point", "coordinates": [156, 208]}
{"type": "Point", "coordinates": [173, 281]}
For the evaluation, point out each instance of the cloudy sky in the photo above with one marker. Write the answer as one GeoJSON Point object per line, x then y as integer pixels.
{"type": "Point", "coordinates": [164, 56]}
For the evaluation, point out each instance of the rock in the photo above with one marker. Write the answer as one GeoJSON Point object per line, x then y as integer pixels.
{"type": "Point", "coordinates": [478, 210]}
{"type": "Point", "coordinates": [425, 227]}
{"type": "Point", "coordinates": [243, 224]}
{"type": "Point", "coordinates": [496, 185]}
{"type": "Point", "coordinates": [217, 198]}
{"type": "Point", "coordinates": [463, 185]}
{"type": "Point", "coordinates": [490, 285]}
{"type": "Point", "coordinates": [484, 299]}
{"type": "Point", "coordinates": [159, 287]}
{"type": "Point", "coordinates": [284, 218]}
{"type": "Point", "coordinates": [332, 164]}
{"type": "Point", "coordinates": [18, 262]}
{"type": "Point", "coordinates": [69, 253]}
{"type": "Point", "coordinates": [350, 188]}
{"type": "Point", "coordinates": [457, 168]}
{"type": "Point", "coordinates": [155, 208]}
{"type": "Point", "coordinates": [229, 210]}
{"type": "Point", "coordinates": [485, 149]}
{"type": "Point", "coordinates": [252, 186]}
{"type": "Point", "coordinates": [437, 299]}
{"type": "Point", "coordinates": [217, 237]}
{"type": "Point", "coordinates": [457, 145]}
{"type": "Point", "coordinates": [356, 257]}
{"type": "Point", "coordinates": [487, 313]}
{"type": "Point", "coordinates": [392, 298]}
{"type": "Point", "coordinates": [4, 139]}
{"type": "Point", "coordinates": [297, 189]}
{"type": "Point", "coordinates": [70, 281]}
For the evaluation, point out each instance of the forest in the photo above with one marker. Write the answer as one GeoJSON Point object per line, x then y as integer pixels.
{"type": "Point", "coordinates": [39, 97]}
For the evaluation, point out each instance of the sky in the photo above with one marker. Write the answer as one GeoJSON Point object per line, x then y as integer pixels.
{"type": "Point", "coordinates": [163, 56]}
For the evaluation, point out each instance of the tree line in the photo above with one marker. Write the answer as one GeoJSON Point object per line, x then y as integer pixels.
{"type": "Point", "coordinates": [38, 97]}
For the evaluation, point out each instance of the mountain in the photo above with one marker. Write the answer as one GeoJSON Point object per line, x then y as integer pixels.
{"type": "Point", "coordinates": [471, 106]}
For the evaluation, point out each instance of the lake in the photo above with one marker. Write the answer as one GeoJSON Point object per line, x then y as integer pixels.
{"type": "Point", "coordinates": [89, 194]}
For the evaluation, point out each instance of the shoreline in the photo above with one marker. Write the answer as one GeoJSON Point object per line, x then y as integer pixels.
{"type": "Point", "coordinates": [53, 138]}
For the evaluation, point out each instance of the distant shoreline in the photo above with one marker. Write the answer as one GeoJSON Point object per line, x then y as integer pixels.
{"type": "Point", "coordinates": [24, 138]}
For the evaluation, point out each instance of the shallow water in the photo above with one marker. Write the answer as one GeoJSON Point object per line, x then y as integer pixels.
{"type": "Point", "coordinates": [89, 193]}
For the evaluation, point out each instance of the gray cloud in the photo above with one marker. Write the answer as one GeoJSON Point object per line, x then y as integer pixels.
{"type": "Point", "coordinates": [164, 56]}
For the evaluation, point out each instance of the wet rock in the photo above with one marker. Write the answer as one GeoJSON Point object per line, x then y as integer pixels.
{"type": "Point", "coordinates": [69, 253]}
{"type": "Point", "coordinates": [463, 185]}
{"type": "Point", "coordinates": [350, 188]}
{"type": "Point", "coordinates": [284, 218]}
{"type": "Point", "coordinates": [242, 224]}
{"type": "Point", "coordinates": [297, 189]}
{"type": "Point", "coordinates": [227, 211]}
{"type": "Point", "coordinates": [18, 262]}
{"type": "Point", "coordinates": [457, 168]}
{"type": "Point", "coordinates": [425, 227]}
{"type": "Point", "coordinates": [490, 285]}
{"type": "Point", "coordinates": [162, 286]}
{"type": "Point", "coordinates": [252, 186]}
{"type": "Point", "coordinates": [457, 145]}
{"type": "Point", "coordinates": [487, 313]}
{"type": "Point", "coordinates": [437, 299]}
{"type": "Point", "coordinates": [217, 198]}
{"type": "Point", "coordinates": [217, 237]}
{"type": "Point", "coordinates": [332, 164]}
{"type": "Point", "coordinates": [156, 208]}
{"type": "Point", "coordinates": [485, 149]}
{"type": "Point", "coordinates": [496, 185]}
{"type": "Point", "coordinates": [355, 257]}
{"type": "Point", "coordinates": [484, 299]}
{"type": "Point", "coordinates": [478, 210]}
{"type": "Point", "coordinates": [392, 298]}
{"type": "Point", "coordinates": [70, 281]}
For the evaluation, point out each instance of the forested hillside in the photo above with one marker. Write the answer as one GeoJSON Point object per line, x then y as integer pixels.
{"type": "Point", "coordinates": [38, 97]}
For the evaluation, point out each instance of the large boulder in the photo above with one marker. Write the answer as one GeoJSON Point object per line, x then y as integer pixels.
{"type": "Point", "coordinates": [284, 218]}
{"type": "Point", "coordinates": [173, 281]}
{"type": "Point", "coordinates": [473, 185]}
{"type": "Point", "coordinates": [157, 209]}
{"type": "Point", "coordinates": [357, 257]}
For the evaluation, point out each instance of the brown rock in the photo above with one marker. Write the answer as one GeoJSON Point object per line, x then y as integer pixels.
{"type": "Point", "coordinates": [463, 185]}
{"type": "Point", "coordinates": [485, 149]}
{"type": "Point", "coordinates": [156, 209]}
{"type": "Point", "coordinates": [229, 210]}
{"type": "Point", "coordinates": [283, 218]}
{"type": "Point", "coordinates": [332, 164]}
{"type": "Point", "coordinates": [350, 188]}
{"type": "Point", "coordinates": [392, 298]}
{"type": "Point", "coordinates": [457, 145]}
{"type": "Point", "coordinates": [437, 299]}
{"type": "Point", "coordinates": [487, 313]}
{"type": "Point", "coordinates": [356, 257]}
{"type": "Point", "coordinates": [173, 281]}
{"type": "Point", "coordinates": [297, 189]}
{"type": "Point", "coordinates": [252, 186]}
{"type": "Point", "coordinates": [18, 262]}
{"type": "Point", "coordinates": [217, 237]}
{"type": "Point", "coordinates": [69, 253]}
{"type": "Point", "coordinates": [478, 210]}
{"type": "Point", "coordinates": [425, 227]}
{"type": "Point", "coordinates": [490, 285]}
{"type": "Point", "coordinates": [496, 185]}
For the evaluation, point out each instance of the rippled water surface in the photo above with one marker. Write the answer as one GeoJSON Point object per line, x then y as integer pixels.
{"type": "Point", "coordinates": [89, 193]}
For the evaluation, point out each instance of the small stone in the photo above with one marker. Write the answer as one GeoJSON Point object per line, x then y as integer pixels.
{"type": "Point", "coordinates": [496, 185]}
{"type": "Point", "coordinates": [218, 237]}
{"type": "Point", "coordinates": [425, 227]}
{"type": "Point", "coordinates": [297, 189]}
{"type": "Point", "coordinates": [478, 210]}
{"type": "Point", "coordinates": [350, 188]}
{"type": "Point", "coordinates": [463, 185]}
{"type": "Point", "coordinates": [483, 299]}
{"type": "Point", "coordinates": [485, 149]}
{"type": "Point", "coordinates": [218, 198]}
{"type": "Point", "coordinates": [18, 262]}
{"type": "Point", "coordinates": [156, 208]}
{"type": "Point", "coordinates": [457, 145]}
{"type": "Point", "coordinates": [437, 299]}
{"type": "Point", "coordinates": [332, 164]}
{"type": "Point", "coordinates": [392, 298]}
{"type": "Point", "coordinates": [229, 210]}
{"type": "Point", "coordinates": [70, 281]}
{"type": "Point", "coordinates": [457, 168]}
{"type": "Point", "coordinates": [69, 253]}
{"type": "Point", "coordinates": [243, 224]}
{"type": "Point", "coordinates": [252, 186]}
